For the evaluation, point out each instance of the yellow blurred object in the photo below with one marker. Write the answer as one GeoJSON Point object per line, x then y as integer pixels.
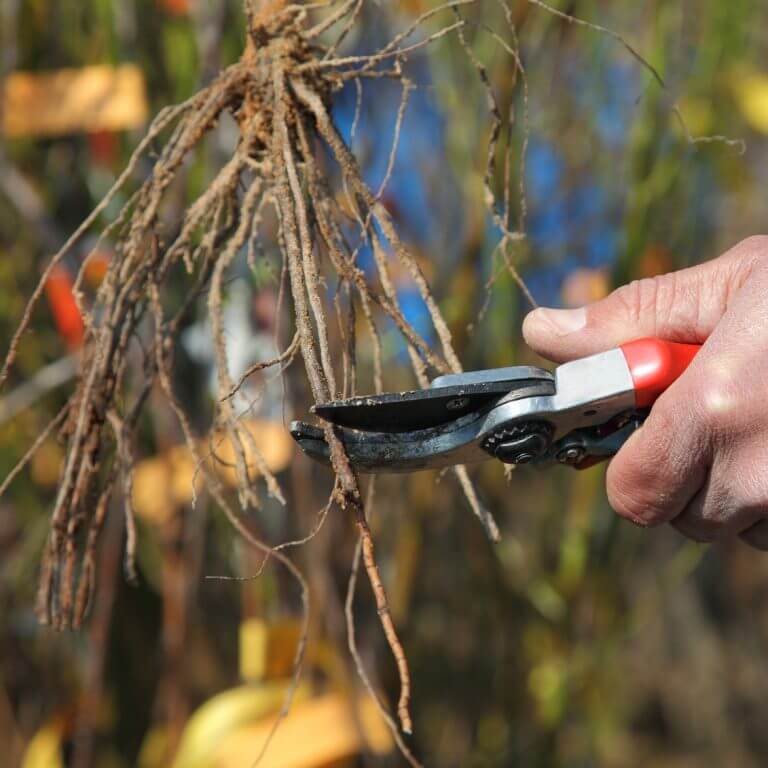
{"type": "Point", "coordinates": [270, 438]}
{"type": "Point", "coordinates": [697, 114]}
{"type": "Point", "coordinates": [44, 750]}
{"type": "Point", "coordinates": [46, 464]}
{"type": "Point", "coordinates": [230, 729]}
{"type": "Point", "coordinates": [584, 285]}
{"type": "Point", "coordinates": [267, 651]}
{"type": "Point", "coordinates": [153, 497]}
{"type": "Point", "coordinates": [163, 483]}
{"type": "Point", "coordinates": [212, 724]}
{"type": "Point", "coordinates": [547, 683]}
{"type": "Point", "coordinates": [751, 92]}
{"type": "Point", "coordinates": [181, 468]}
{"type": "Point", "coordinates": [315, 734]}
{"type": "Point", "coordinates": [99, 98]}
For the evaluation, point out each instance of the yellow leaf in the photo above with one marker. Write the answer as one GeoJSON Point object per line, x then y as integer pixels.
{"type": "Point", "coordinates": [315, 734]}
{"type": "Point", "coordinates": [212, 725]}
{"type": "Point", "coordinates": [268, 650]}
{"type": "Point", "coordinates": [44, 751]}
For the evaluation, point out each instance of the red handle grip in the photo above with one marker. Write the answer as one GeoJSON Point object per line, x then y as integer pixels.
{"type": "Point", "coordinates": [654, 364]}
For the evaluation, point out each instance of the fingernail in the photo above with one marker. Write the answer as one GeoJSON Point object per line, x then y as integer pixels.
{"type": "Point", "coordinates": [561, 321]}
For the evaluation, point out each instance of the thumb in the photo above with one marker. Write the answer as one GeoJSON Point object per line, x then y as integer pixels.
{"type": "Point", "coordinates": [679, 306]}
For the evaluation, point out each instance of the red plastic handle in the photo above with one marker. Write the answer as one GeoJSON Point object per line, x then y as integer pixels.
{"type": "Point", "coordinates": [654, 364]}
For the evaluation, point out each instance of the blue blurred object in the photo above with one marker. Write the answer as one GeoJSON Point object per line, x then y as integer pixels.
{"type": "Point", "coordinates": [574, 219]}
{"type": "Point", "coordinates": [545, 171]}
{"type": "Point", "coordinates": [421, 195]}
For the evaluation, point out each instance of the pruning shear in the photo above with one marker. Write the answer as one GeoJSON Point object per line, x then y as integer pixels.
{"type": "Point", "coordinates": [578, 415]}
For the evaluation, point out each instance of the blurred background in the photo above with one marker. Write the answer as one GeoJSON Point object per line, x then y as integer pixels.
{"type": "Point", "coordinates": [576, 641]}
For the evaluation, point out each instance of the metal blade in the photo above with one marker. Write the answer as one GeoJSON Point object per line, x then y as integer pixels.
{"type": "Point", "coordinates": [448, 398]}
{"type": "Point", "coordinates": [388, 452]}
{"type": "Point", "coordinates": [458, 441]}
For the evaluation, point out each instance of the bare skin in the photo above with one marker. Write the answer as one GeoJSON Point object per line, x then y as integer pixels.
{"type": "Point", "coordinates": [700, 462]}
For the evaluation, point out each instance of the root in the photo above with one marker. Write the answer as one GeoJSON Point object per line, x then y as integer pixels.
{"type": "Point", "coordinates": [291, 160]}
{"type": "Point", "coordinates": [360, 667]}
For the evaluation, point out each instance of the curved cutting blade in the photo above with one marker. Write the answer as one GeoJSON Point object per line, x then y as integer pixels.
{"type": "Point", "coordinates": [449, 398]}
{"type": "Point", "coordinates": [456, 442]}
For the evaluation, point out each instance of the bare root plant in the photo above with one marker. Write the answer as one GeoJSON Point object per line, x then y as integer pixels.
{"type": "Point", "coordinates": [291, 162]}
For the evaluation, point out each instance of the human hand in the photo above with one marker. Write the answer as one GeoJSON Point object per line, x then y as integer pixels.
{"type": "Point", "coordinates": [700, 461]}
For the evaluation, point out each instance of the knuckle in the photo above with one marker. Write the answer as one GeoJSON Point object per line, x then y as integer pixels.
{"type": "Point", "coordinates": [642, 480]}
{"type": "Point", "coordinates": [712, 521]}
{"type": "Point", "coordinates": [626, 504]}
{"type": "Point", "coordinates": [749, 486]}
{"type": "Point", "coordinates": [664, 421]}
{"type": "Point", "coordinates": [714, 405]}
{"type": "Point", "coordinates": [744, 496]}
{"type": "Point", "coordinates": [627, 297]}
{"type": "Point", "coordinates": [670, 432]}
{"type": "Point", "coordinates": [749, 251]}
{"type": "Point", "coordinates": [639, 299]}
{"type": "Point", "coordinates": [653, 301]}
{"type": "Point", "coordinates": [633, 501]}
{"type": "Point", "coordinates": [754, 244]}
{"type": "Point", "coordinates": [723, 509]}
{"type": "Point", "coordinates": [718, 404]}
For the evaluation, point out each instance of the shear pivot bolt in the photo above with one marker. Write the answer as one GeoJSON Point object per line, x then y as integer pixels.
{"type": "Point", "coordinates": [572, 455]}
{"type": "Point", "coordinates": [514, 456]}
{"type": "Point", "coordinates": [519, 444]}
